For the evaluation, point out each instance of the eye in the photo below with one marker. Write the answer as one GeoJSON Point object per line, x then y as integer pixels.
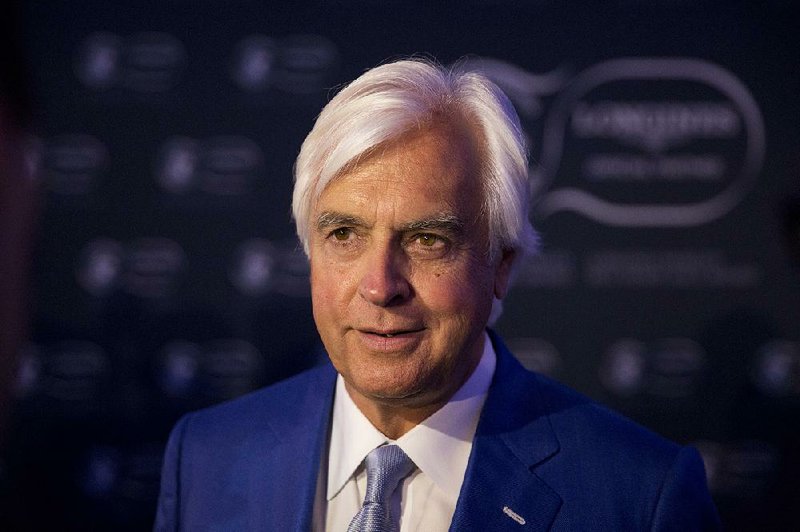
{"type": "Point", "coordinates": [428, 240]}
{"type": "Point", "coordinates": [342, 233]}
{"type": "Point", "coordinates": [429, 245]}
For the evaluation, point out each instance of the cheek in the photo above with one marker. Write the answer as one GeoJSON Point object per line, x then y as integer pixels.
{"type": "Point", "coordinates": [461, 293]}
{"type": "Point", "coordinates": [330, 286]}
{"type": "Point", "coordinates": [322, 292]}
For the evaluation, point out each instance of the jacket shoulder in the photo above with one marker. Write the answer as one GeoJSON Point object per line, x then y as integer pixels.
{"type": "Point", "coordinates": [266, 407]}
{"type": "Point", "coordinates": [531, 399]}
{"type": "Point", "coordinates": [625, 472]}
{"type": "Point", "coordinates": [574, 415]}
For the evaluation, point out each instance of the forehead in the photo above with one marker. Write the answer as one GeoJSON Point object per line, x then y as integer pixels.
{"type": "Point", "coordinates": [436, 167]}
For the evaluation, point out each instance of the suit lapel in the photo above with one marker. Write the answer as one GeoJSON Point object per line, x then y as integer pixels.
{"type": "Point", "coordinates": [501, 490]}
{"type": "Point", "coordinates": [283, 481]}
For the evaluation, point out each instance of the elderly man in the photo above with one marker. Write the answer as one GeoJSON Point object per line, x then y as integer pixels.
{"type": "Point", "coordinates": [411, 201]}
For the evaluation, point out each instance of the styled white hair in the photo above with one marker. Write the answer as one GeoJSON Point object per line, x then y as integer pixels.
{"type": "Point", "coordinates": [392, 99]}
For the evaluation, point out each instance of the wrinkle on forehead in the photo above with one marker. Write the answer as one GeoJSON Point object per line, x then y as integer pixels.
{"type": "Point", "coordinates": [444, 128]}
{"type": "Point", "coordinates": [428, 178]}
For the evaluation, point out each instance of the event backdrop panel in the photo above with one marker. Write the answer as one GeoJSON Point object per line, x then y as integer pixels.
{"type": "Point", "coordinates": [664, 165]}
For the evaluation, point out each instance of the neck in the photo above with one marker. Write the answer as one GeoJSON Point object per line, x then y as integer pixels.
{"type": "Point", "coordinates": [395, 417]}
{"type": "Point", "coordinates": [391, 420]}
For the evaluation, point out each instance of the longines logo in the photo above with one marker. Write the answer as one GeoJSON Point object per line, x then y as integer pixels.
{"type": "Point", "coordinates": [231, 165]}
{"type": "Point", "coordinates": [685, 160]}
{"type": "Point", "coordinates": [655, 126]}
{"type": "Point", "coordinates": [646, 142]}
{"type": "Point", "coordinates": [75, 371]}
{"type": "Point", "coordinates": [740, 469]}
{"type": "Point", "coordinates": [295, 64]}
{"type": "Point", "coordinates": [179, 365]}
{"type": "Point", "coordinates": [232, 367]}
{"type": "Point", "coordinates": [219, 166]}
{"type": "Point", "coordinates": [176, 166]}
{"type": "Point", "coordinates": [623, 369]}
{"type": "Point", "coordinates": [292, 270]}
{"type": "Point", "coordinates": [547, 269]}
{"type": "Point", "coordinates": [254, 62]}
{"type": "Point", "coordinates": [776, 371]}
{"type": "Point", "coordinates": [253, 267]}
{"type": "Point", "coordinates": [99, 266]}
{"type": "Point", "coordinates": [153, 266]}
{"type": "Point", "coordinates": [101, 472]}
{"type": "Point", "coordinates": [27, 379]}
{"type": "Point", "coordinates": [126, 475]}
{"type": "Point", "coordinates": [147, 267]}
{"type": "Point", "coordinates": [537, 355]}
{"type": "Point", "coordinates": [71, 165]}
{"type": "Point", "coordinates": [668, 368]}
{"type": "Point", "coordinates": [97, 61]}
{"type": "Point", "coordinates": [71, 373]}
{"type": "Point", "coordinates": [306, 61]}
{"type": "Point", "coordinates": [675, 268]}
{"type": "Point", "coordinates": [142, 62]}
{"type": "Point", "coordinates": [259, 266]}
{"type": "Point", "coordinates": [219, 369]}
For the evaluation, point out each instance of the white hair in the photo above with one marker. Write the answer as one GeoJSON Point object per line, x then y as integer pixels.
{"type": "Point", "coordinates": [394, 98]}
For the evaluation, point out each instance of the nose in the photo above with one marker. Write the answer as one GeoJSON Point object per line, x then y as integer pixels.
{"type": "Point", "coordinates": [383, 279]}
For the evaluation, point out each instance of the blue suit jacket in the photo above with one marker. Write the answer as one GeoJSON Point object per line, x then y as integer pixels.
{"type": "Point", "coordinates": [543, 455]}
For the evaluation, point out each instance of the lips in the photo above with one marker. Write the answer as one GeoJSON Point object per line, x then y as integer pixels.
{"type": "Point", "coordinates": [391, 333]}
{"type": "Point", "coordinates": [390, 340]}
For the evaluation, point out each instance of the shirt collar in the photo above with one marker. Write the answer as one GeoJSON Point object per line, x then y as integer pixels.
{"type": "Point", "coordinates": [352, 438]}
{"type": "Point", "coordinates": [439, 446]}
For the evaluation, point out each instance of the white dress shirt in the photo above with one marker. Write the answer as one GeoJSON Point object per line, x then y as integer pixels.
{"type": "Point", "coordinates": [439, 446]}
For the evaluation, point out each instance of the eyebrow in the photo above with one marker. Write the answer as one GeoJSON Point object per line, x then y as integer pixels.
{"type": "Point", "coordinates": [441, 222]}
{"type": "Point", "coordinates": [331, 218]}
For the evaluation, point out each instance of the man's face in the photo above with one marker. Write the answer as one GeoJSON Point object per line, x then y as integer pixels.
{"type": "Point", "coordinates": [401, 282]}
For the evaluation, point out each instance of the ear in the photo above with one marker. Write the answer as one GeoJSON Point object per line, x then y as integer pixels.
{"type": "Point", "coordinates": [502, 273]}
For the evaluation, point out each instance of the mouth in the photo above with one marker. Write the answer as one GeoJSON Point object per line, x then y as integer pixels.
{"type": "Point", "coordinates": [391, 333]}
{"type": "Point", "coordinates": [391, 340]}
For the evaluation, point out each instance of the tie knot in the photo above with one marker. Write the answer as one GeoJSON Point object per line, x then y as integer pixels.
{"type": "Point", "coordinates": [386, 467]}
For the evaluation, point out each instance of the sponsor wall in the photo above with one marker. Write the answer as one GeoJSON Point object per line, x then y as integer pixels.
{"type": "Point", "coordinates": [665, 166]}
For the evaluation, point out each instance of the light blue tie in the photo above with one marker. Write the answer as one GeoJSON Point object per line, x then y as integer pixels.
{"type": "Point", "coordinates": [386, 467]}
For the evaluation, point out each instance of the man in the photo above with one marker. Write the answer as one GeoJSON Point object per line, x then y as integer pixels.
{"type": "Point", "coordinates": [411, 201]}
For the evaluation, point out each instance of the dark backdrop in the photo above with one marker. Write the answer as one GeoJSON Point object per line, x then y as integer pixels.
{"type": "Point", "coordinates": [664, 147]}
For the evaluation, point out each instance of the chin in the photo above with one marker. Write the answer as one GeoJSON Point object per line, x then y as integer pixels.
{"type": "Point", "coordinates": [382, 390]}
{"type": "Point", "coordinates": [411, 392]}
